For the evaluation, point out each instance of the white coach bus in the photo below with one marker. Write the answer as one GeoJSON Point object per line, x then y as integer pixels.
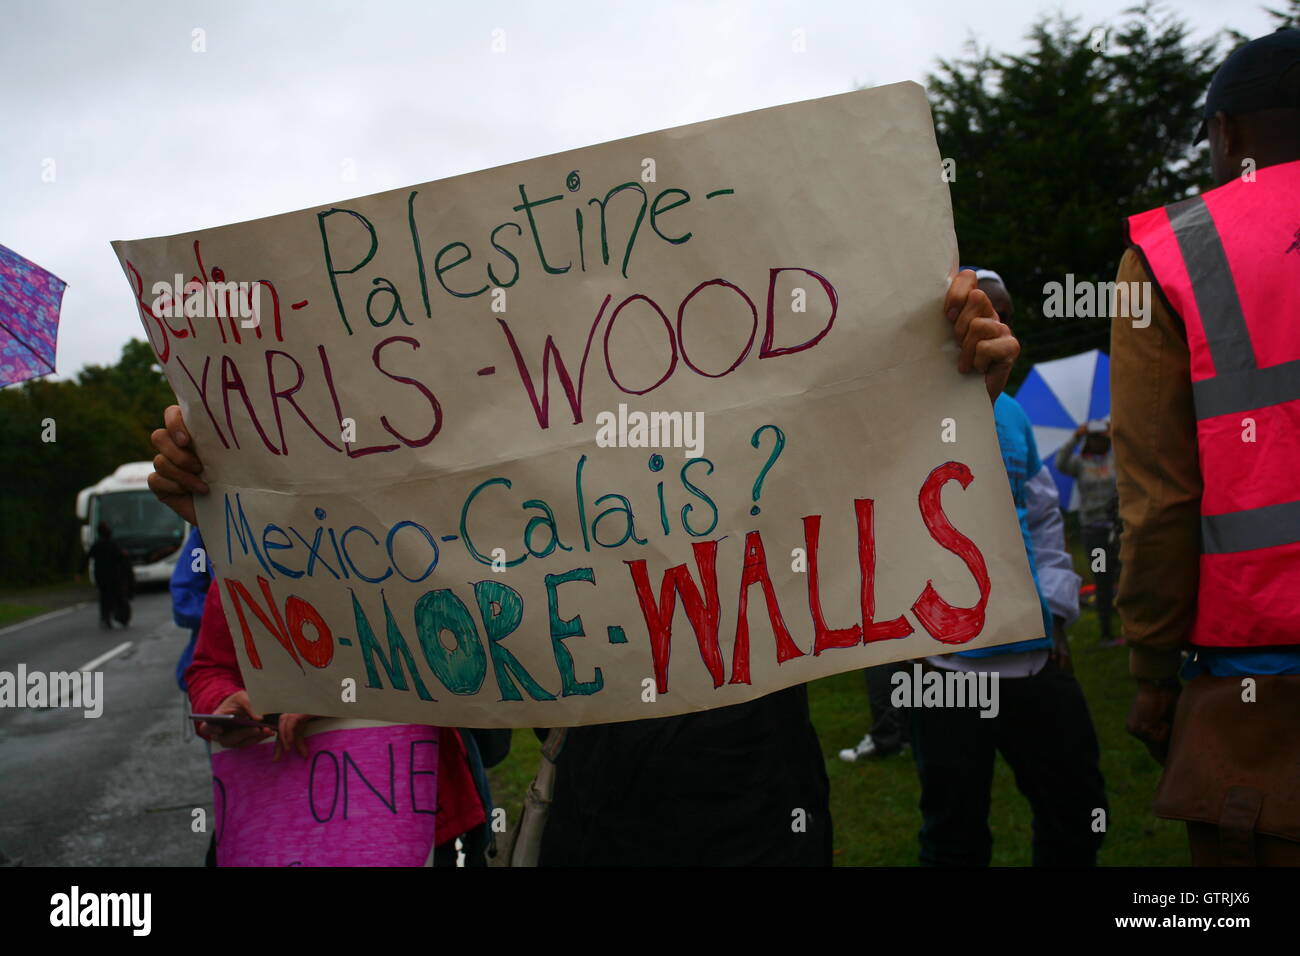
{"type": "Point", "coordinates": [148, 531]}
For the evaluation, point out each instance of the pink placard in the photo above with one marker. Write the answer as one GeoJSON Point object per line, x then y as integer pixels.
{"type": "Point", "coordinates": [362, 797]}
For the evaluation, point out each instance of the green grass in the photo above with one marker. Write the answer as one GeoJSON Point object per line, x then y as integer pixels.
{"type": "Point", "coordinates": [31, 592]}
{"type": "Point", "coordinates": [13, 613]}
{"type": "Point", "coordinates": [510, 778]}
{"type": "Point", "coordinates": [19, 603]}
{"type": "Point", "coordinates": [874, 802]}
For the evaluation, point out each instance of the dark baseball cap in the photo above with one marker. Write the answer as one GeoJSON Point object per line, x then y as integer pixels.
{"type": "Point", "coordinates": [1251, 78]}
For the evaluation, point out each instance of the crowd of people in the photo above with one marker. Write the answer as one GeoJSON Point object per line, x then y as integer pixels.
{"type": "Point", "coordinates": [1195, 467]}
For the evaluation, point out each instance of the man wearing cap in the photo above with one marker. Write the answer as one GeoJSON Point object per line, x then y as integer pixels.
{"type": "Point", "coordinates": [1205, 420]}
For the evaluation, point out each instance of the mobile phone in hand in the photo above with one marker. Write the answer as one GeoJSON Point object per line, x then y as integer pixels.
{"type": "Point", "coordinates": [270, 721]}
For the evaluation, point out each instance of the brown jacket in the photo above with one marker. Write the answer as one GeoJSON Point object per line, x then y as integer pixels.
{"type": "Point", "coordinates": [1153, 426]}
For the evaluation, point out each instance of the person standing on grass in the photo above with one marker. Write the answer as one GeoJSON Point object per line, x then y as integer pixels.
{"type": "Point", "coordinates": [1094, 470]}
{"type": "Point", "coordinates": [1040, 724]}
{"type": "Point", "coordinates": [889, 733]}
{"type": "Point", "coordinates": [1206, 411]}
{"type": "Point", "coordinates": [1052, 566]}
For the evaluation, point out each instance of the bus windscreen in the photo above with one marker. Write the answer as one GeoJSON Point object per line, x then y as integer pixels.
{"type": "Point", "coordinates": [142, 525]}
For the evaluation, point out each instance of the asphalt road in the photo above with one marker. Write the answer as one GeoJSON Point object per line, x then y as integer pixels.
{"type": "Point", "coordinates": [117, 790]}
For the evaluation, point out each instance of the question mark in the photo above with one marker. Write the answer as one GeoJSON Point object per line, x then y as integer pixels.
{"type": "Point", "coordinates": [777, 447]}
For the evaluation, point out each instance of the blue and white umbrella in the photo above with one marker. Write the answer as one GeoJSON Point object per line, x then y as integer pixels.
{"type": "Point", "coordinates": [1058, 397]}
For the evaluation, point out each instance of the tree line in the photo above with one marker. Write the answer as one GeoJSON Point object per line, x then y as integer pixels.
{"type": "Point", "coordinates": [1052, 147]}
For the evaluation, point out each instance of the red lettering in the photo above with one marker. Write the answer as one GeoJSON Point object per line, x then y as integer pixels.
{"type": "Point", "coordinates": [754, 571]}
{"type": "Point", "coordinates": [279, 395]}
{"type": "Point", "coordinates": [146, 309]}
{"type": "Point", "coordinates": [338, 410]}
{"type": "Point", "coordinates": [317, 653]}
{"type": "Point", "coordinates": [238, 597]}
{"type": "Point", "coordinates": [864, 509]}
{"type": "Point", "coordinates": [433, 401]}
{"type": "Point", "coordinates": [672, 344]}
{"type": "Point", "coordinates": [275, 307]}
{"type": "Point", "coordinates": [202, 389]}
{"type": "Point", "coordinates": [681, 335]}
{"type": "Point", "coordinates": [202, 280]}
{"type": "Point", "coordinates": [703, 613]}
{"type": "Point", "coordinates": [232, 381]}
{"type": "Point", "coordinates": [542, 409]}
{"type": "Point", "coordinates": [951, 625]}
{"type": "Point", "coordinates": [769, 333]}
{"type": "Point", "coordinates": [823, 637]}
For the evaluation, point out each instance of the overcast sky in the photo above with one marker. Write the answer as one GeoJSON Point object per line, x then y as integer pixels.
{"type": "Point", "coordinates": [148, 137]}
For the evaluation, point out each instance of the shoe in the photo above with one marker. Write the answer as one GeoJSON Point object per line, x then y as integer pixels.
{"type": "Point", "coordinates": [866, 747]}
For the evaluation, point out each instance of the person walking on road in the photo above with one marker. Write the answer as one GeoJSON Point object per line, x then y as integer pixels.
{"type": "Point", "coordinates": [112, 572]}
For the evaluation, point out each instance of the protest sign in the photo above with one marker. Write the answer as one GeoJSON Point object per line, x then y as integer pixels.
{"type": "Point", "coordinates": [649, 427]}
{"type": "Point", "coordinates": [364, 796]}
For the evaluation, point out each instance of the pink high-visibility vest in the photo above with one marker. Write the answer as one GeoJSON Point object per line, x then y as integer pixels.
{"type": "Point", "coordinates": [1227, 263]}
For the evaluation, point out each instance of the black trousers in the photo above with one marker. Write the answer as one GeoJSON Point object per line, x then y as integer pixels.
{"type": "Point", "coordinates": [1044, 731]}
{"type": "Point", "coordinates": [113, 603]}
{"type": "Point", "coordinates": [743, 785]}
{"type": "Point", "coordinates": [1099, 537]}
{"type": "Point", "coordinates": [889, 725]}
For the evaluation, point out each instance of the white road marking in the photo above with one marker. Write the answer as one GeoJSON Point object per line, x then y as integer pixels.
{"type": "Point", "coordinates": [105, 657]}
{"type": "Point", "coordinates": [44, 617]}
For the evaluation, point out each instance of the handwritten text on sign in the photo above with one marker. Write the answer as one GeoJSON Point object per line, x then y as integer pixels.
{"type": "Point", "coordinates": [364, 796]}
{"type": "Point", "coordinates": [639, 429]}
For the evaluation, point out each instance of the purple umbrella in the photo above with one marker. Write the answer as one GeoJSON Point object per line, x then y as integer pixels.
{"type": "Point", "coordinates": [29, 318]}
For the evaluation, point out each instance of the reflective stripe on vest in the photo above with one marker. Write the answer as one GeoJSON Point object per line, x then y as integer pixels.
{"type": "Point", "coordinates": [1240, 385]}
{"type": "Point", "coordinates": [1228, 263]}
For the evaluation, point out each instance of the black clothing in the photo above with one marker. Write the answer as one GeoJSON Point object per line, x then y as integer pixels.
{"type": "Point", "coordinates": [1100, 537]}
{"type": "Point", "coordinates": [889, 725]}
{"type": "Point", "coordinates": [737, 786]}
{"type": "Point", "coordinates": [113, 606]}
{"type": "Point", "coordinates": [114, 579]}
{"type": "Point", "coordinates": [1044, 731]}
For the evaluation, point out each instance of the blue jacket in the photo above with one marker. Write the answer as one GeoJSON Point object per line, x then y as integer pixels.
{"type": "Point", "coordinates": [189, 590]}
{"type": "Point", "coordinates": [1020, 455]}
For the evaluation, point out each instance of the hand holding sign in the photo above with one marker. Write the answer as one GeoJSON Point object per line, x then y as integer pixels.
{"type": "Point", "coordinates": [987, 345]}
{"type": "Point", "coordinates": [291, 736]}
{"type": "Point", "coordinates": [413, 518]}
{"type": "Point", "coordinates": [175, 479]}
